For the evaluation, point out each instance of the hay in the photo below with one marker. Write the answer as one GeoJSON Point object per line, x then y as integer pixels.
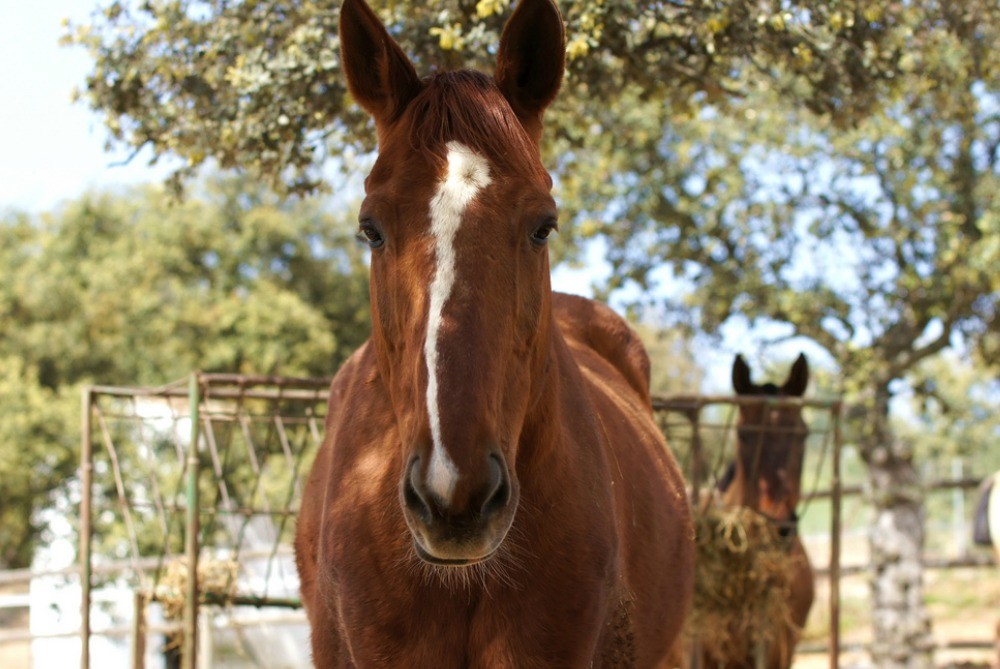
{"type": "Point", "coordinates": [741, 587]}
{"type": "Point", "coordinates": [216, 579]}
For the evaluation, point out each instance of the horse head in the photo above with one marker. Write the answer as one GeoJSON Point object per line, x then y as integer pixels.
{"type": "Point", "coordinates": [771, 442]}
{"type": "Point", "coordinates": [457, 213]}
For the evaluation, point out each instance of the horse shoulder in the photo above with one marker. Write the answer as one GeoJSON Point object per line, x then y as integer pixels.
{"type": "Point", "coordinates": [596, 327]}
{"type": "Point", "coordinates": [653, 518]}
{"type": "Point", "coordinates": [355, 373]}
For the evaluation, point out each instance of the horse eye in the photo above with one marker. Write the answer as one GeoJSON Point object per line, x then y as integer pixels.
{"type": "Point", "coordinates": [541, 234]}
{"type": "Point", "coordinates": [369, 234]}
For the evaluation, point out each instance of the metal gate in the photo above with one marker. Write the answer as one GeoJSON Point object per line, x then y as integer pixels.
{"type": "Point", "coordinates": [189, 491]}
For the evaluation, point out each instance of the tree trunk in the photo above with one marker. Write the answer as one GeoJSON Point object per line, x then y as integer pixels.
{"type": "Point", "coordinates": [901, 626]}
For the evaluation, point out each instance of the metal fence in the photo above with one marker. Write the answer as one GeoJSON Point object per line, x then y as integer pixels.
{"type": "Point", "coordinates": [192, 489]}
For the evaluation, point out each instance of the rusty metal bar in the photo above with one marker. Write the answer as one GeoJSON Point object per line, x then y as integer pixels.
{"type": "Point", "coordinates": [254, 601]}
{"type": "Point", "coordinates": [189, 647]}
{"type": "Point", "coordinates": [125, 631]}
{"type": "Point", "coordinates": [226, 393]}
{"type": "Point", "coordinates": [761, 429]}
{"type": "Point", "coordinates": [258, 487]}
{"type": "Point", "coordinates": [835, 499]}
{"type": "Point", "coordinates": [972, 561]}
{"type": "Point", "coordinates": [698, 473]}
{"type": "Point", "coordinates": [86, 529]}
{"type": "Point", "coordinates": [232, 386]}
{"type": "Point", "coordinates": [232, 511]}
{"type": "Point", "coordinates": [258, 380]}
{"type": "Point", "coordinates": [682, 403]}
{"type": "Point", "coordinates": [217, 464]}
{"type": "Point", "coordinates": [122, 566]}
{"type": "Point", "coordinates": [139, 631]}
{"type": "Point", "coordinates": [116, 469]}
{"type": "Point", "coordinates": [932, 486]}
{"type": "Point", "coordinates": [221, 417]}
{"type": "Point", "coordinates": [286, 449]}
{"type": "Point", "coordinates": [293, 490]}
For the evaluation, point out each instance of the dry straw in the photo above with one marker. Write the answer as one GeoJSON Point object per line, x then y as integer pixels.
{"type": "Point", "coordinates": [216, 580]}
{"type": "Point", "coordinates": [741, 587]}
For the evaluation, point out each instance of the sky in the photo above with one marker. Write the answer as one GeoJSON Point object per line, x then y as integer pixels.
{"type": "Point", "coordinates": [51, 149]}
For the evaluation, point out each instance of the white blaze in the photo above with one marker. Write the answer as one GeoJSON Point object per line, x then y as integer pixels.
{"type": "Point", "coordinates": [468, 173]}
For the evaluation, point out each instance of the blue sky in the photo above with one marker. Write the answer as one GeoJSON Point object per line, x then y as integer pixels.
{"type": "Point", "coordinates": [50, 148]}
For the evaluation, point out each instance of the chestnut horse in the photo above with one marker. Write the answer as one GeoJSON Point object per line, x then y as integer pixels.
{"type": "Point", "coordinates": [492, 490]}
{"type": "Point", "coordinates": [766, 477]}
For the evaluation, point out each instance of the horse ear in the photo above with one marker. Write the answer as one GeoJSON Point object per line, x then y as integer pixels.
{"type": "Point", "coordinates": [531, 59]}
{"type": "Point", "coordinates": [798, 378]}
{"type": "Point", "coordinates": [379, 75]}
{"type": "Point", "coordinates": [741, 377]}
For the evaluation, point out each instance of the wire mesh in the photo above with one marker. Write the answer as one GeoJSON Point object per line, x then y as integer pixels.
{"type": "Point", "coordinates": [256, 438]}
{"type": "Point", "coordinates": [701, 432]}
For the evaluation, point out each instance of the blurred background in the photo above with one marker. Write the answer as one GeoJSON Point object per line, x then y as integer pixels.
{"type": "Point", "coordinates": [179, 182]}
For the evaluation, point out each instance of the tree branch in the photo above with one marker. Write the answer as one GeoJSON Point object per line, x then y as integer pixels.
{"type": "Point", "coordinates": [128, 159]}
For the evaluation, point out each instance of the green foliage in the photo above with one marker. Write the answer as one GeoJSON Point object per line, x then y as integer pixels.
{"type": "Point", "coordinates": [257, 84]}
{"type": "Point", "coordinates": [141, 290]}
{"type": "Point", "coordinates": [672, 362]}
{"type": "Point", "coordinates": [878, 241]}
{"type": "Point", "coordinates": [955, 406]}
{"type": "Point", "coordinates": [827, 165]}
{"type": "Point", "coordinates": [823, 164]}
{"type": "Point", "coordinates": [37, 453]}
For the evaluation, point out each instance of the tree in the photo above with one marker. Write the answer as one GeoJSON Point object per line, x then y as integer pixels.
{"type": "Point", "coordinates": [672, 361]}
{"type": "Point", "coordinates": [134, 290]}
{"type": "Point", "coordinates": [257, 85]}
{"type": "Point", "coordinates": [36, 429]}
{"type": "Point", "coordinates": [954, 404]}
{"type": "Point", "coordinates": [879, 242]}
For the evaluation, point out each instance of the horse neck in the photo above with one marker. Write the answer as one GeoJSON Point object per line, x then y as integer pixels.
{"type": "Point", "coordinates": [559, 400]}
{"type": "Point", "coordinates": [542, 419]}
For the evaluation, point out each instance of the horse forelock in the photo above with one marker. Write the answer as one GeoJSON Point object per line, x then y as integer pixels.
{"type": "Point", "coordinates": [467, 107]}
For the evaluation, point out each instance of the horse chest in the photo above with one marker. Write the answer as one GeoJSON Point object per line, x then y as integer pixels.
{"type": "Point", "coordinates": [445, 630]}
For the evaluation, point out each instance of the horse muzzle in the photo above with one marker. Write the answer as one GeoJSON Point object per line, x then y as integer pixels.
{"type": "Point", "coordinates": [468, 525]}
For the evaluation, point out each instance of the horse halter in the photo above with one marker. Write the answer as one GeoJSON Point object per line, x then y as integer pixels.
{"type": "Point", "coordinates": [788, 528]}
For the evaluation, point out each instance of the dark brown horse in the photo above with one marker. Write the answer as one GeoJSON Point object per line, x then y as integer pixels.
{"type": "Point", "coordinates": [766, 477]}
{"type": "Point", "coordinates": [492, 490]}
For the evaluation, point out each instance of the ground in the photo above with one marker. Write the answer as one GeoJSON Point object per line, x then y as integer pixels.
{"type": "Point", "coordinates": [964, 605]}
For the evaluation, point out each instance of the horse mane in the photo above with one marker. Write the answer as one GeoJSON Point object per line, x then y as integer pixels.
{"type": "Point", "coordinates": [467, 106]}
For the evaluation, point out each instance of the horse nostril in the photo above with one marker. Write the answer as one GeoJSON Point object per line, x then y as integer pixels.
{"type": "Point", "coordinates": [415, 500]}
{"type": "Point", "coordinates": [499, 497]}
